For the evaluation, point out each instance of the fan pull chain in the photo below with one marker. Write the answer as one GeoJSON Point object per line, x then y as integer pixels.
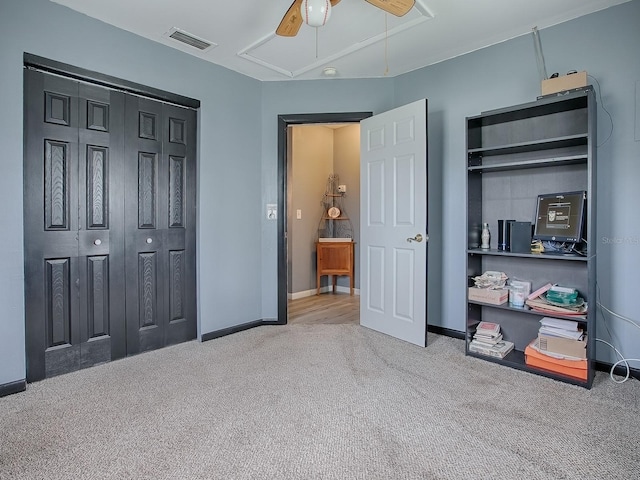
{"type": "Point", "coordinates": [386, 44]}
{"type": "Point", "coordinates": [316, 43]}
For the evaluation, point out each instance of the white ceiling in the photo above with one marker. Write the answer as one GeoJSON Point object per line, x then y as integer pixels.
{"type": "Point", "coordinates": [359, 40]}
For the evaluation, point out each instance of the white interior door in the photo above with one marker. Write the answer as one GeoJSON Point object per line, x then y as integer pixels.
{"type": "Point", "coordinates": [393, 231]}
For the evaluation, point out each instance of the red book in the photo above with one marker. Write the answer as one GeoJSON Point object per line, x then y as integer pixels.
{"type": "Point", "coordinates": [489, 327]}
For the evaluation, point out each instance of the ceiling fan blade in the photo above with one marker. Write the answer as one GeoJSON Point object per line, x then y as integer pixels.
{"type": "Point", "coordinates": [395, 7]}
{"type": "Point", "coordinates": [291, 22]}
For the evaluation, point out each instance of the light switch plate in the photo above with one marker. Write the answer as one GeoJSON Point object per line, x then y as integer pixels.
{"type": "Point", "coordinates": [272, 211]}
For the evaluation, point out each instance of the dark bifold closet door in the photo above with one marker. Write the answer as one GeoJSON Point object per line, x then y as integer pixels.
{"type": "Point", "coordinates": [74, 266]}
{"type": "Point", "coordinates": [160, 199]}
{"type": "Point", "coordinates": [109, 178]}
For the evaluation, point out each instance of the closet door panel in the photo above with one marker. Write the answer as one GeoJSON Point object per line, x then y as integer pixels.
{"type": "Point", "coordinates": [100, 229]}
{"type": "Point", "coordinates": [50, 225]}
{"type": "Point", "coordinates": [73, 283]}
{"type": "Point", "coordinates": [160, 224]}
{"type": "Point", "coordinates": [144, 213]}
{"type": "Point", "coordinates": [179, 151]}
{"type": "Point", "coordinates": [62, 352]}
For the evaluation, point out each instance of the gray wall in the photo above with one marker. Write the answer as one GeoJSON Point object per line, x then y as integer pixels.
{"type": "Point", "coordinates": [237, 254]}
{"type": "Point", "coordinates": [605, 44]}
{"type": "Point", "coordinates": [229, 159]}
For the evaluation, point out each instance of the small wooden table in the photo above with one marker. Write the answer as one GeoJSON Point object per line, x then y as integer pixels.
{"type": "Point", "coordinates": [335, 258]}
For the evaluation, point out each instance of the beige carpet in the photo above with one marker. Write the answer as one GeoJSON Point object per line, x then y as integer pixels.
{"type": "Point", "coordinates": [317, 402]}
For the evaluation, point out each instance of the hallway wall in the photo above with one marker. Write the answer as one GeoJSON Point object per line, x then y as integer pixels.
{"type": "Point", "coordinates": [317, 152]}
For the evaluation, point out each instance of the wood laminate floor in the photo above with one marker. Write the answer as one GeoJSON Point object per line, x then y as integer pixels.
{"type": "Point", "coordinates": [328, 308]}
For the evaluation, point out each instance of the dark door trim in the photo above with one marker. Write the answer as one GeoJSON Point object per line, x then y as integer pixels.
{"type": "Point", "coordinates": [77, 73]}
{"type": "Point", "coordinates": [283, 122]}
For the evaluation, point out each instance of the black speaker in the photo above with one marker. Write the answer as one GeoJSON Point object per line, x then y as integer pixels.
{"type": "Point", "coordinates": [520, 237]}
{"type": "Point", "coordinates": [504, 234]}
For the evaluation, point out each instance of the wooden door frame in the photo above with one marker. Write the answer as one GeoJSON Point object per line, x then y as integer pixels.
{"type": "Point", "coordinates": [284, 121]}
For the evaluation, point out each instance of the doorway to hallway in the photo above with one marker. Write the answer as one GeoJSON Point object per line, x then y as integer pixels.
{"type": "Point", "coordinates": [284, 122]}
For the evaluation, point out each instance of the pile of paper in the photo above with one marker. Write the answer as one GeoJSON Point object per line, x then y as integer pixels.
{"type": "Point", "coordinates": [491, 279]}
{"type": "Point", "coordinates": [556, 327]}
{"type": "Point", "coordinates": [556, 300]}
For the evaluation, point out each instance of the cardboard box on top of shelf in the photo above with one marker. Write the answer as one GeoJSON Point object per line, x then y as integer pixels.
{"type": "Point", "coordinates": [564, 82]}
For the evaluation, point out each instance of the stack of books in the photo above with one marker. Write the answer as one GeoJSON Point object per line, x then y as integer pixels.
{"type": "Point", "coordinates": [561, 347]}
{"type": "Point", "coordinates": [488, 340]}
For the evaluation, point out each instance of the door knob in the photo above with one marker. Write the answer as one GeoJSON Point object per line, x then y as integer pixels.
{"type": "Point", "coordinates": [149, 240]}
{"type": "Point", "coordinates": [97, 241]}
{"type": "Point", "coordinates": [417, 238]}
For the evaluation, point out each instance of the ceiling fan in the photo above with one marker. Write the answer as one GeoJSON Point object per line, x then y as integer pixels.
{"type": "Point", "coordinates": [293, 19]}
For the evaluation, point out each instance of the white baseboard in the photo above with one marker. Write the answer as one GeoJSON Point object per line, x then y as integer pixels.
{"type": "Point", "coordinates": [356, 291]}
{"type": "Point", "coordinates": [306, 293]}
{"type": "Point", "coordinates": [328, 288]}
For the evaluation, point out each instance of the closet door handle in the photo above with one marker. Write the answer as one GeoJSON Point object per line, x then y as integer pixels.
{"type": "Point", "coordinates": [97, 241]}
{"type": "Point", "coordinates": [149, 240]}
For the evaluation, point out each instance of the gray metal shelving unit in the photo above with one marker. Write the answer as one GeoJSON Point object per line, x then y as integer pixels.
{"type": "Point", "coordinates": [513, 155]}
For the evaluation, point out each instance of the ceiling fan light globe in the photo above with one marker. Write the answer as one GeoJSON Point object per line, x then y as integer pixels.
{"type": "Point", "coordinates": [315, 13]}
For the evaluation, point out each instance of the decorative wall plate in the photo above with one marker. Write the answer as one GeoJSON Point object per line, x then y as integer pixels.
{"type": "Point", "coordinates": [333, 212]}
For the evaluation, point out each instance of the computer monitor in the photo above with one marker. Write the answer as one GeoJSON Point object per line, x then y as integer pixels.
{"type": "Point", "coordinates": [560, 217]}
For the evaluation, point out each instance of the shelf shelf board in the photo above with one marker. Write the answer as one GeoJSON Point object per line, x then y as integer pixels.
{"type": "Point", "coordinates": [516, 359]}
{"type": "Point", "coordinates": [545, 144]}
{"type": "Point", "coordinates": [529, 311]}
{"type": "Point", "coordinates": [542, 107]}
{"type": "Point", "coordinates": [538, 256]}
{"type": "Point", "coordinates": [541, 162]}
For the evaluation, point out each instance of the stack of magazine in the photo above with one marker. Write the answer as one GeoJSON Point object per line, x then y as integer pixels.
{"type": "Point", "coordinates": [488, 341]}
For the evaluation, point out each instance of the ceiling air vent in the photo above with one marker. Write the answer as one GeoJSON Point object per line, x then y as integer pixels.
{"type": "Point", "coordinates": [190, 40]}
